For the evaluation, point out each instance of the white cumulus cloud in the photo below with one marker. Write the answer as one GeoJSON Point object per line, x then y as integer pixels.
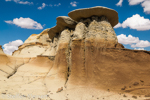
{"type": "Point", "coordinates": [146, 6]}
{"type": "Point", "coordinates": [144, 3]}
{"type": "Point", "coordinates": [141, 44]}
{"type": "Point", "coordinates": [73, 4]}
{"type": "Point", "coordinates": [122, 38]}
{"type": "Point", "coordinates": [134, 42]}
{"type": "Point", "coordinates": [21, 2]}
{"type": "Point", "coordinates": [119, 3]}
{"type": "Point", "coordinates": [10, 47]}
{"type": "Point", "coordinates": [139, 49]}
{"type": "Point", "coordinates": [43, 6]}
{"type": "Point", "coordinates": [135, 22]}
{"type": "Point", "coordinates": [118, 25]}
{"type": "Point", "coordinates": [25, 23]}
{"type": "Point", "coordinates": [135, 2]}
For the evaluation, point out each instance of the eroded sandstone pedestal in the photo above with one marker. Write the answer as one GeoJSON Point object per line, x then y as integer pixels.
{"type": "Point", "coordinates": [82, 60]}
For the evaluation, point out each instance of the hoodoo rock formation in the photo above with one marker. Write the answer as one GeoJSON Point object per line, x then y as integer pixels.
{"type": "Point", "coordinates": [78, 59]}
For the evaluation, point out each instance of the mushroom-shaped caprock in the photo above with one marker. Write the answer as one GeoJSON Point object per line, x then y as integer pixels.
{"type": "Point", "coordinates": [62, 23]}
{"type": "Point", "coordinates": [66, 22]}
{"type": "Point", "coordinates": [99, 11]}
{"type": "Point", "coordinates": [52, 31]}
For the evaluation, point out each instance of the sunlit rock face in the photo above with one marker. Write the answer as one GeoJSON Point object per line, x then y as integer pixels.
{"type": "Point", "coordinates": [43, 38]}
{"type": "Point", "coordinates": [80, 62]}
{"type": "Point", "coordinates": [100, 32]}
{"type": "Point", "coordinates": [36, 44]}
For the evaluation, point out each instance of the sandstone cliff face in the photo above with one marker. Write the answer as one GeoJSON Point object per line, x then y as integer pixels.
{"type": "Point", "coordinates": [9, 65]}
{"type": "Point", "coordinates": [40, 38]}
{"type": "Point", "coordinates": [30, 50]}
{"type": "Point", "coordinates": [36, 44]}
{"type": "Point", "coordinates": [85, 63]}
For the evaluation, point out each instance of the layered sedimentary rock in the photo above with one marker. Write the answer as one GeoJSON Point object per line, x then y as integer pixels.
{"type": "Point", "coordinates": [31, 50]}
{"type": "Point", "coordinates": [82, 62]}
{"type": "Point", "coordinates": [43, 38]}
{"type": "Point", "coordinates": [9, 66]}
{"type": "Point", "coordinates": [36, 44]}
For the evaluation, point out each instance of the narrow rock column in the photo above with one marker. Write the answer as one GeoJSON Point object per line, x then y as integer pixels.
{"type": "Point", "coordinates": [101, 33]}
{"type": "Point", "coordinates": [64, 39]}
{"type": "Point", "coordinates": [53, 47]}
{"type": "Point", "coordinates": [57, 76]}
{"type": "Point", "coordinates": [78, 70]}
{"type": "Point", "coordinates": [100, 36]}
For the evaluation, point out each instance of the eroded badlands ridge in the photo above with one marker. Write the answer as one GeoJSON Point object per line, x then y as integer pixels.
{"type": "Point", "coordinates": [76, 60]}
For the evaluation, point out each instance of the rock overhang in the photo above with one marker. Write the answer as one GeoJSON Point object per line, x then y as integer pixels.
{"type": "Point", "coordinates": [63, 22]}
{"type": "Point", "coordinates": [99, 11]}
{"type": "Point", "coordinates": [53, 31]}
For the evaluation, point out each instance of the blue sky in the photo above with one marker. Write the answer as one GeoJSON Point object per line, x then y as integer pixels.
{"type": "Point", "coordinates": [15, 15]}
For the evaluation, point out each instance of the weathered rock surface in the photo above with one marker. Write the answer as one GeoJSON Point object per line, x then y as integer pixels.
{"type": "Point", "coordinates": [65, 22]}
{"type": "Point", "coordinates": [43, 38]}
{"type": "Point", "coordinates": [36, 44]}
{"type": "Point", "coordinates": [85, 63]}
{"type": "Point", "coordinates": [31, 50]}
{"type": "Point", "coordinates": [111, 14]}
{"type": "Point", "coordinates": [62, 23]}
{"type": "Point", "coordinates": [101, 34]}
{"type": "Point", "coordinates": [9, 66]}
